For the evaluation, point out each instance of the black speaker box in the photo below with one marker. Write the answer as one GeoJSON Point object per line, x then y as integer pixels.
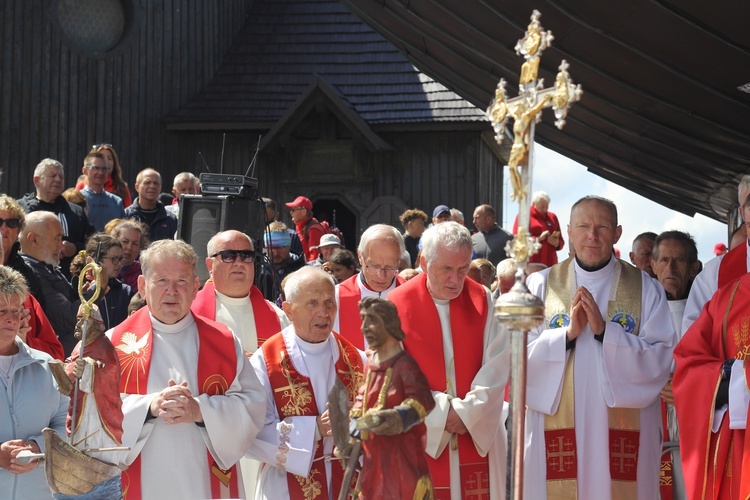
{"type": "Point", "coordinates": [201, 217]}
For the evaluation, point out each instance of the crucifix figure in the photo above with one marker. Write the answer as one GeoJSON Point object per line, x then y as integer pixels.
{"type": "Point", "coordinates": [532, 98]}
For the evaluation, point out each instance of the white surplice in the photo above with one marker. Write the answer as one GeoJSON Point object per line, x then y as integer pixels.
{"type": "Point", "coordinates": [237, 314]}
{"type": "Point", "coordinates": [482, 410]}
{"type": "Point", "coordinates": [676, 311]}
{"type": "Point", "coordinates": [625, 371]}
{"type": "Point", "coordinates": [294, 438]}
{"type": "Point", "coordinates": [174, 462]}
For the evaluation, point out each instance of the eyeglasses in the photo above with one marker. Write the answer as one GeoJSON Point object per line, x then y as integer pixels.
{"type": "Point", "coordinates": [99, 169]}
{"type": "Point", "coordinates": [114, 260]}
{"type": "Point", "coordinates": [296, 208]}
{"type": "Point", "coordinates": [385, 271]}
{"type": "Point", "coordinates": [103, 144]}
{"type": "Point", "coordinates": [11, 223]}
{"type": "Point", "coordinates": [229, 256]}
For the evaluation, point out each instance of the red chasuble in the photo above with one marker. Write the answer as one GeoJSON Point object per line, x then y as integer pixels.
{"type": "Point", "coordinates": [266, 320]}
{"type": "Point", "coordinates": [733, 265]}
{"type": "Point", "coordinates": [217, 368]}
{"type": "Point", "coordinates": [350, 324]}
{"type": "Point", "coordinates": [424, 342]}
{"type": "Point", "coordinates": [715, 465]}
{"type": "Point", "coordinates": [294, 396]}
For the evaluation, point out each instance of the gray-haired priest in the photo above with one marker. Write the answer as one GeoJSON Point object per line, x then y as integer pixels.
{"type": "Point", "coordinates": [192, 403]}
{"type": "Point", "coordinates": [297, 367]}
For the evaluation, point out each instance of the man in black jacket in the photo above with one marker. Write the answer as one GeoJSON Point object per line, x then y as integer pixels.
{"type": "Point", "coordinates": [49, 180]}
{"type": "Point", "coordinates": [147, 208]}
{"type": "Point", "coordinates": [41, 246]}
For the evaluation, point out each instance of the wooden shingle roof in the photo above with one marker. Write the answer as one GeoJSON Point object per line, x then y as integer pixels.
{"type": "Point", "coordinates": [286, 45]}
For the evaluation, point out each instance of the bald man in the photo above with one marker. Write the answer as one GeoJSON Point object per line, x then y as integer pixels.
{"type": "Point", "coordinates": [147, 208]}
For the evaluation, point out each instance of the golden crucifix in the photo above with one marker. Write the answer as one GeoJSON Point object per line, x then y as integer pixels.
{"type": "Point", "coordinates": [532, 98]}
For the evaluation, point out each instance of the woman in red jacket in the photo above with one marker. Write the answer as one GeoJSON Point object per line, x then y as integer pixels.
{"type": "Point", "coordinates": [543, 225]}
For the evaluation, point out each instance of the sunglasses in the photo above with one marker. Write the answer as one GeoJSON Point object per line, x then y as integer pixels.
{"type": "Point", "coordinates": [229, 256]}
{"type": "Point", "coordinates": [11, 223]}
{"type": "Point", "coordinates": [103, 144]}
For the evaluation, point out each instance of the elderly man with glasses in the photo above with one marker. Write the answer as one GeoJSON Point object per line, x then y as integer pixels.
{"type": "Point", "coordinates": [103, 205]}
{"type": "Point", "coordinates": [380, 249]}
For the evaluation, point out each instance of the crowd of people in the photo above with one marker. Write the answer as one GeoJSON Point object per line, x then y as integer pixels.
{"type": "Point", "coordinates": [222, 389]}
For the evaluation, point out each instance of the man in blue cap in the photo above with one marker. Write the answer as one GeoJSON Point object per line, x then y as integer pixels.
{"type": "Point", "coordinates": [282, 261]}
{"type": "Point", "coordinates": [441, 213]}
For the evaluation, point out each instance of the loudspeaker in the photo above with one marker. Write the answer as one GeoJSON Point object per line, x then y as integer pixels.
{"type": "Point", "coordinates": [201, 217]}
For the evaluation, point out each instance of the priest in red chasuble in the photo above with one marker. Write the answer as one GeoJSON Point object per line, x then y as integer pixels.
{"type": "Point", "coordinates": [390, 410]}
{"type": "Point", "coordinates": [192, 403]}
{"type": "Point", "coordinates": [711, 395]}
{"type": "Point", "coordinates": [453, 336]}
{"type": "Point", "coordinates": [595, 369]}
{"type": "Point", "coordinates": [380, 249]}
{"type": "Point", "coordinates": [297, 369]}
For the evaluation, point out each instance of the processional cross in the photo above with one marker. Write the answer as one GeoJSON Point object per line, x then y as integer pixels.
{"type": "Point", "coordinates": [525, 109]}
{"type": "Point", "coordinates": [519, 310]}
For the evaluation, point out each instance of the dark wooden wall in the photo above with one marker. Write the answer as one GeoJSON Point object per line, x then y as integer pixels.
{"type": "Point", "coordinates": [56, 101]}
{"type": "Point", "coordinates": [425, 169]}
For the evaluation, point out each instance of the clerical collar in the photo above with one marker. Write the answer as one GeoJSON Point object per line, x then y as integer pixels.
{"type": "Point", "coordinates": [232, 301]}
{"type": "Point", "coordinates": [592, 269]}
{"type": "Point", "coordinates": [312, 347]}
{"type": "Point", "coordinates": [173, 328]}
{"type": "Point", "coordinates": [364, 283]}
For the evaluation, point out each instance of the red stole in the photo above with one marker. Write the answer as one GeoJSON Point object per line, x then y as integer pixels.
{"type": "Point", "coordinates": [733, 265]}
{"type": "Point", "coordinates": [294, 396]}
{"type": "Point", "coordinates": [716, 465]}
{"type": "Point", "coordinates": [350, 324]}
{"type": "Point", "coordinates": [266, 320]}
{"type": "Point", "coordinates": [217, 367]}
{"type": "Point", "coordinates": [424, 342]}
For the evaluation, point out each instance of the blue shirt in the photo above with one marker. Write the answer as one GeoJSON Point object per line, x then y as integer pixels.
{"type": "Point", "coordinates": [103, 207]}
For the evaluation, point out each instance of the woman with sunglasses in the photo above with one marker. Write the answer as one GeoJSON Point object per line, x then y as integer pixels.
{"type": "Point", "coordinates": [115, 183]}
{"type": "Point", "coordinates": [113, 304]}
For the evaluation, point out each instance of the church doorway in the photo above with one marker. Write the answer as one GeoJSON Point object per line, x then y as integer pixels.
{"type": "Point", "coordinates": [339, 215]}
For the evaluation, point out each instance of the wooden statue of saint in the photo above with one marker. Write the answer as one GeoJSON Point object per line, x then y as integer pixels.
{"type": "Point", "coordinates": [390, 411]}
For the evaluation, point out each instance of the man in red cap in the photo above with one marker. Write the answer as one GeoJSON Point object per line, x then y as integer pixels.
{"type": "Point", "coordinates": [308, 228]}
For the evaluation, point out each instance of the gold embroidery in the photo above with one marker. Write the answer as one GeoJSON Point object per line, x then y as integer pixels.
{"type": "Point", "coordinates": [298, 395]}
{"type": "Point", "coordinates": [311, 488]}
{"type": "Point", "coordinates": [741, 335]}
{"type": "Point", "coordinates": [351, 377]}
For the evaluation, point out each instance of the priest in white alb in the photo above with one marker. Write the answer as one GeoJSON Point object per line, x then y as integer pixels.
{"type": "Point", "coordinates": [595, 370]}
{"type": "Point", "coordinates": [297, 368]}
{"type": "Point", "coordinates": [192, 404]}
{"type": "Point", "coordinates": [452, 334]}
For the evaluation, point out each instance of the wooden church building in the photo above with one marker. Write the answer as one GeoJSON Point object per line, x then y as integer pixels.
{"type": "Point", "coordinates": [340, 115]}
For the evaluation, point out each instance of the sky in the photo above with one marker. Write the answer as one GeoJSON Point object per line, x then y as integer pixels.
{"type": "Point", "coordinates": [566, 181]}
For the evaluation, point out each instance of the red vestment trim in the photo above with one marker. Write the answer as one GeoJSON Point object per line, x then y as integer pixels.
{"type": "Point", "coordinates": [350, 324]}
{"type": "Point", "coordinates": [294, 396]}
{"type": "Point", "coordinates": [217, 368]}
{"type": "Point", "coordinates": [41, 336]}
{"type": "Point", "coordinates": [421, 323]}
{"type": "Point", "coordinates": [713, 462]}
{"type": "Point", "coordinates": [666, 479]}
{"type": "Point", "coordinates": [266, 320]}
{"type": "Point", "coordinates": [562, 459]}
{"type": "Point", "coordinates": [733, 265]}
